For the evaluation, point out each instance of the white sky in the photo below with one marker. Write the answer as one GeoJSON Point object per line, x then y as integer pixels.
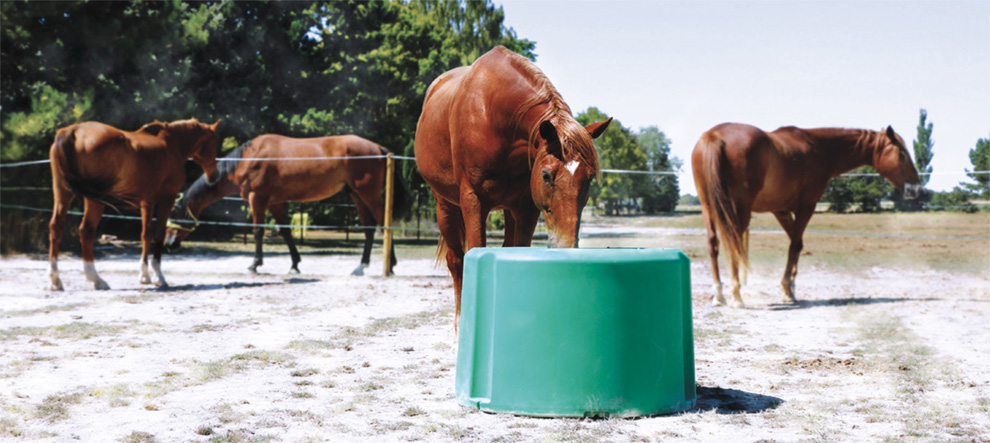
{"type": "Point", "coordinates": [686, 66]}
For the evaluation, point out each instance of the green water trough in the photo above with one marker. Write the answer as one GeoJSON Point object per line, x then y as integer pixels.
{"type": "Point", "coordinates": [576, 332]}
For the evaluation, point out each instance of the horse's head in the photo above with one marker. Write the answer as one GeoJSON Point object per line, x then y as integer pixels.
{"type": "Point", "coordinates": [205, 152]}
{"type": "Point", "coordinates": [561, 178]}
{"type": "Point", "coordinates": [892, 161]}
{"type": "Point", "coordinates": [181, 223]}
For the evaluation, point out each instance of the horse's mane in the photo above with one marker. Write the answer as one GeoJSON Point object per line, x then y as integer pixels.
{"type": "Point", "coordinates": [574, 138]}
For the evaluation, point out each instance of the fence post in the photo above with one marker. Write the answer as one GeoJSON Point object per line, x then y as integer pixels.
{"type": "Point", "coordinates": [387, 231]}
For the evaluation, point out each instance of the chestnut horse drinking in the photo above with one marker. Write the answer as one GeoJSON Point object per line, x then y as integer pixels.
{"type": "Point", "coordinates": [739, 169]}
{"type": "Point", "coordinates": [271, 170]}
{"type": "Point", "coordinates": [110, 167]}
{"type": "Point", "coordinates": [497, 135]}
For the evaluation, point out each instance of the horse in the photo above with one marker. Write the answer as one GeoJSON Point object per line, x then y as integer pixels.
{"type": "Point", "coordinates": [740, 169]}
{"type": "Point", "coordinates": [271, 169]}
{"type": "Point", "coordinates": [111, 167]}
{"type": "Point", "coordinates": [497, 135]}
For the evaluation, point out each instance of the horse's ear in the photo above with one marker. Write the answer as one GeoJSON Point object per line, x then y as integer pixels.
{"type": "Point", "coordinates": [153, 128]}
{"type": "Point", "coordinates": [597, 129]}
{"type": "Point", "coordinates": [549, 133]}
{"type": "Point", "coordinates": [891, 134]}
{"type": "Point", "coordinates": [213, 127]}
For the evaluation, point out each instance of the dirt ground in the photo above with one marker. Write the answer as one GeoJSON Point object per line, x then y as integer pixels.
{"type": "Point", "coordinates": [876, 350]}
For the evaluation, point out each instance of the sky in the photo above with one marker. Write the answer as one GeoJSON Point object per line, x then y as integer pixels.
{"type": "Point", "coordinates": [686, 66]}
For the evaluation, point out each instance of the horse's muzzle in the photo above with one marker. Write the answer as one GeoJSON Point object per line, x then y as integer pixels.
{"type": "Point", "coordinates": [213, 179]}
{"type": "Point", "coordinates": [912, 190]}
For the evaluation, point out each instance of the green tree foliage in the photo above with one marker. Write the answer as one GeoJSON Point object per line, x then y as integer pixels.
{"type": "Point", "coordinates": [955, 200]}
{"type": "Point", "coordinates": [979, 156]}
{"type": "Point", "coordinates": [661, 192]}
{"type": "Point", "coordinates": [923, 145]}
{"type": "Point", "coordinates": [620, 148]}
{"type": "Point", "coordinates": [295, 68]}
{"type": "Point", "coordinates": [862, 191]}
{"type": "Point", "coordinates": [617, 149]}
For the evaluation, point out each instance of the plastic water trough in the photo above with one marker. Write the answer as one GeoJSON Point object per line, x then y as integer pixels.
{"type": "Point", "coordinates": [576, 332]}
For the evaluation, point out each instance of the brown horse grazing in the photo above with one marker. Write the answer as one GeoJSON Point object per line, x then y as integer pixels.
{"type": "Point", "coordinates": [271, 170]}
{"type": "Point", "coordinates": [739, 169]}
{"type": "Point", "coordinates": [497, 135]}
{"type": "Point", "coordinates": [109, 167]}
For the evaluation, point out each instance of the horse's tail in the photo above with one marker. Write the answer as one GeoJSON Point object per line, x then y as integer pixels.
{"type": "Point", "coordinates": [401, 198]}
{"type": "Point", "coordinates": [63, 158]}
{"type": "Point", "coordinates": [715, 198]}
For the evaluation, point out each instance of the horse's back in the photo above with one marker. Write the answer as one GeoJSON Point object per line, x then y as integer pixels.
{"type": "Point", "coordinates": [276, 165]}
{"type": "Point", "coordinates": [432, 146]}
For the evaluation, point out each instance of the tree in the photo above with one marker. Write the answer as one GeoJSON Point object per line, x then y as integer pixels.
{"type": "Point", "coordinates": [865, 190]}
{"type": "Point", "coordinates": [979, 156]}
{"type": "Point", "coordinates": [923, 154]}
{"type": "Point", "coordinates": [661, 193]}
{"type": "Point", "coordinates": [295, 68]}
{"type": "Point", "coordinates": [617, 149]}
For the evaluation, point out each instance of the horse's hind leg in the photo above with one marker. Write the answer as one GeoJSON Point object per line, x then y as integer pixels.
{"type": "Point", "coordinates": [717, 299]}
{"type": "Point", "coordinates": [92, 212]}
{"type": "Point", "coordinates": [56, 227]}
{"type": "Point", "coordinates": [281, 215]}
{"type": "Point", "coordinates": [367, 220]}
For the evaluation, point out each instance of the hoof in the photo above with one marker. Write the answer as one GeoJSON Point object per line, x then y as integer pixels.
{"type": "Point", "coordinates": [717, 301]}
{"type": "Point", "coordinates": [145, 280]}
{"type": "Point", "coordinates": [253, 269]}
{"type": "Point", "coordinates": [359, 271]}
{"type": "Point", "coordinates": [294, 271]}
{"type": "Point", "coordinates": [56, 286]}
{"type": "Point", "coordinates": [738, 304]}
{"type": "Point", "coordinates": [101, 285]}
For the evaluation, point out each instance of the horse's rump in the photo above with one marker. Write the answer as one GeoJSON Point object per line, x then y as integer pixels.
{"type": "Point", "coordinates": [63, 155]}
{"type": "Point", "coordinates": [714, 194]}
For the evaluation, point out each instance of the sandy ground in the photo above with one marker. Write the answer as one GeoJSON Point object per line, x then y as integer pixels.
{"type": "Point", "coordinates": [889, 355]}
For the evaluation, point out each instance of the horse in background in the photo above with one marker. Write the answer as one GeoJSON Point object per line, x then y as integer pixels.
{"type": "Point", "coordinates": [497, 135]}
{"type": "Point", "coordinates": [739, 169]}
{"type": "Point", "coordinates": [271, 170]}
{"type": "Point", "coordinates": [111, 167]}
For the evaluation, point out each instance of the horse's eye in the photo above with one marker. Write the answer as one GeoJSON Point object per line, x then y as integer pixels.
{"type": "Point", "coordinates": [547, 178]}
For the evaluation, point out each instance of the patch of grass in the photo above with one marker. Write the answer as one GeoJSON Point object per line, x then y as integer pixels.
{"type": "Point", "coordinates": [44, 310]}
{"type": "Point", "coordinates": [413, 411]}
{"type": "Point", "coordinates": [116, 395]}
{"type": "Point", "coordinates": [70, 331]}
{"type": "Point", "coordinates": [226, 413]}
{"type": "Point", "coordinates": [138, 437]}
{"type": "Point", "coordinates": [305, 372]}
{"type": "Point", "coordinates": [8, 426]}
{"type": "Point", "coordinates": [329, 384]}
{"type": "Point", "coordinates": [302, 394]}
{"type": "Point", "coordinates": [56, 407]}
{"type": "Point", "coordinates": [310, 346]}
{"type": "Point", "coordinates": [267, 357]}
{"type": "Point", "coordinates": [214, 370]}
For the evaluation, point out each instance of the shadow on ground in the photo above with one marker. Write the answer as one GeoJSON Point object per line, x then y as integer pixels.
{"type": "Point", "coordinates": [734, 401]}
{"type": "Point", "coordinates": [847, 301]}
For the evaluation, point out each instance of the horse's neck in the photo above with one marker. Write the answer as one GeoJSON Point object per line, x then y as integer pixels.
{"type": "Point", "coordinates": [200, 195]}
{"type": "Point", "coordinates": [846, 149]}
{"type": "Point", "coordinates": [182, 141]}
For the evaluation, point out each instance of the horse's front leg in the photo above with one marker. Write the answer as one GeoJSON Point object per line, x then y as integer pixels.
{"type": "Point", "coordinates": [92, 212]}
{"type": "Point", "coordinates": [281, 214]}
{"type": "Point", "coordinates": [146, 238]}
{"type": "Point", "coordinates": [259, 204]}
{"type": "Point", "coordinates": [162, 209]}
{"type": "Point", "coordinates": [801, 218]}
